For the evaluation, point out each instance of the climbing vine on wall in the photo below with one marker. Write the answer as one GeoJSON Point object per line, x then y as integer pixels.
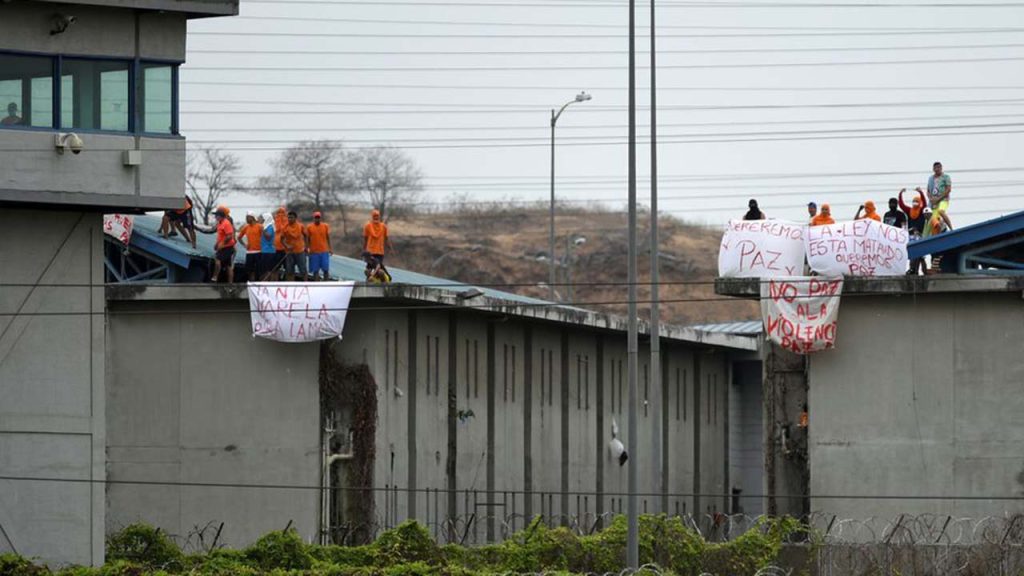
{"type": "Point", "coordinates": [352, 389]}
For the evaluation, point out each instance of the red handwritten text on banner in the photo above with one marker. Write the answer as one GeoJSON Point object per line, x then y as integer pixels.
{"type": "Point", "coordinates": [761, 249]}
{"type": "Point", "coordinates": [800, 313]}
{"type": "Point", "coordinates": [298, 312]}
{"type": "Point", "coordinates": [858, 248]}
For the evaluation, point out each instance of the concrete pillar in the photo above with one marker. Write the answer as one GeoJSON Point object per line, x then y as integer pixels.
{"type": "Point", "coordinates": [787, 472]}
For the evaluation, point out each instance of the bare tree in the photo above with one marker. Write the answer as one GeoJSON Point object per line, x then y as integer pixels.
{"type": "Point", "coordinates": [209, 173]}
{"type": "Point", "coordinates": [311, 172]}
{"type": "Point", "coordinates": [388, 178]}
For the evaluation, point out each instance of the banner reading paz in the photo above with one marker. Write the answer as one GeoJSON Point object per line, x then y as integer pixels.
{"type": "Point", "coordinates": [299, 311]}
{"type": "Point", "coordinates": [761, 249]}
{"type": "Point", "coordinates": [800, 314]}
{"type": "Point", "coordinates": [858, 248]}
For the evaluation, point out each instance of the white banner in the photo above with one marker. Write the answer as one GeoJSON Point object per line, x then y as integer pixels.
{"type": "Point", "coordinates": [761, 249]}
{"type": "Point", "coordinates": [800, 313]}
{"type": "Point", "coordinates": [119, 226]}
{"type": "Point", "coordinates": [299, 311]}
{"type": "Point", "coordinates": [858, 248]}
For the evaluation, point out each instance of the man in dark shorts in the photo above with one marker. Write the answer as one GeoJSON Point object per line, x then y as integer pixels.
{"type": "Point", "coordinates": [181, 221]}
{"type": "Point", "coordinates": [225, 247]}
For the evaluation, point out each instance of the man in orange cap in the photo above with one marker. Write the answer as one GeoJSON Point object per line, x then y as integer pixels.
{"type": "Point", "coordinates": [320, 250]}
{"type": "Point", "coordinates": [375, 237]}
{"type": "Point", "coordinates": [868, 208]}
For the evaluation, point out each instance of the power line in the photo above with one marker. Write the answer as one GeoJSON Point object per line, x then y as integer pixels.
{"type": "Point", "coordinates": [533, 492]}
{"type": "Point", "coordinates": [492, 68]}
{"type": "Point", "coordinates": [609, 88]}
{"type": "Point", "coordinates": [664, 4]}
{"type": "Point", "coordinates": [604, 126]}
{"type": "Point", "coordinates": [258, 145]}
{"type": "Point", "coordinates": [387, 35]}
{"type": "Point", "coordinates": [484, 109]}
{"type": "Point", "coordinates": [823, 29]}
{"type": "Point", "coordinates": [583, 138]}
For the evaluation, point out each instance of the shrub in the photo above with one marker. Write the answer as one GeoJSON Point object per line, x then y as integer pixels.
{"type": "Point", "coordinates": [14, 565]}
{"type": "Point", "coordinates": [409, 542]}
{"type": "Point", "coordinates": [282, 549]}
{"type": "Point", "coordinates": [143, 545]}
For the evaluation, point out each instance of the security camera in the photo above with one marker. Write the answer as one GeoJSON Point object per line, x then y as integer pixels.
{"type": "Point", "coordinates": [70, 141]}
{"type": "Point", "coordinates": [580, 241]}
{"type": "Point", "coordinates": [61, 22]}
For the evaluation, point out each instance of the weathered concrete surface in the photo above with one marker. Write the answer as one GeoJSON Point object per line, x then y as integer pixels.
{"type": "Point", "coordinates": [193, 398]}
{"type": "Point", "coordinates": [471, 401]}
{"type": "Point", "coordinates": [52, 403]}
{"type": "Point", "coordinates": [920, 397]}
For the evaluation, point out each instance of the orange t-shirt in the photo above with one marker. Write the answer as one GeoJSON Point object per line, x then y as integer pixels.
{"type": "Point", "coordinates": [295, 235]}
{"type": "Point", "coordinates": [318, 234]}
{"type": "Point", "coordinates": [279, 226]}
{"type": "Point", "coordinates": [253, 234]}
{"type": "Point", "coordinates": [225, 234]}
{"type": "Point", "coordinates": [375, 243]}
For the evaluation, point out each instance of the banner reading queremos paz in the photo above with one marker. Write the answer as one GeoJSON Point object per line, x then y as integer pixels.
{"type": "Point", "coordinates": [857, 248]}
{"type": "Point", "coordinates": [800, 313]}
{"type": "Point", "coordinates": [761, 249]}
{"type": "Point", "coordinates": [299, 311]}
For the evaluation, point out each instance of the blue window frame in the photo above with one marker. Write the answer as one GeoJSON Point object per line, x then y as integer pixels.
{"type": "Point", "coordinates": [71, 92]}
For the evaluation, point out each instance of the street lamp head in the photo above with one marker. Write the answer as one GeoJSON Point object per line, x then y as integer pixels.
{"type": "Point", "coordinates": [583, 97]}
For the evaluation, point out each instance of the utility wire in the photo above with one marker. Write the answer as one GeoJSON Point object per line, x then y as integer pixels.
{"type": "Point", "coordinates": [319, 488]}
{"type": "Point", "coordinates": [257, 144]}
{"type": "Point", "coordinates": [553, 68]}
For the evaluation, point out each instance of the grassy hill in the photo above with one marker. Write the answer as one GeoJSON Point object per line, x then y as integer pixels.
{"type": "Point", "coordinates": [507, 245]}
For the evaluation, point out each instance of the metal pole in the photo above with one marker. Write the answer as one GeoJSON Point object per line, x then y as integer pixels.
{"type": "Point", "coordinates": [551, 231]}
{"type": "Point", "coordinates": [632, 542]}
{"type": "Point", "coordinates": [657, 423]}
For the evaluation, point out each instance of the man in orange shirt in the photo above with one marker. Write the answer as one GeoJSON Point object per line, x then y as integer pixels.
{"type": "Point", "coordinates": [320, 250]}
{"type": "Point", "coordinates": [225, 246]}
{"type": "Point", "coordinates": [293, 238]}
{"type": "Point", "coordinates": [249, 236]}
{"type": "Point", "coordinates": [273, 269]}
{"type": "Point", "coordinates": [375, 236]}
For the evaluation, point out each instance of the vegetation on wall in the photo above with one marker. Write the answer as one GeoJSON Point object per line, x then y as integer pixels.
{"type": "Point", "coordinates": [409, 550]}
{"type": "Point", "coordinates": [352, 387]}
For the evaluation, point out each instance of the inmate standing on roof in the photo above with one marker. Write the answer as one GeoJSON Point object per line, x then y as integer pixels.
{"type": "Point", "coordinates": [250, 235]}
{"type": "Point", "coordinates": [375, 237]}
{"type": "Point", "coordinates": [293, 237]}
{"type": "Point", "coordinates": [320, 249]}
{"type": "Point", "coordinates": [225, 246]}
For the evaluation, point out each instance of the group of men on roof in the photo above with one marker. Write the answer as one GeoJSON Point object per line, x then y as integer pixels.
{"type": "Point", "coordinates": [926, 216]}
{"type": "Point", "coordinates": [278, 246]}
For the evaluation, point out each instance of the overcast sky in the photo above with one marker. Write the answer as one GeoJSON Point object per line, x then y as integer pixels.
{"type": "Point", "coordinates": [466, 86]}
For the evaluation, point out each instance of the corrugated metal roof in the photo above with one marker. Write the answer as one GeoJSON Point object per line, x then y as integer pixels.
{"type": "Point", "coordinates": [146, 236]}
{"type": "Point", "coordinates": [742, 328]}
{"type": "Point", "coordinates": [962, 237]}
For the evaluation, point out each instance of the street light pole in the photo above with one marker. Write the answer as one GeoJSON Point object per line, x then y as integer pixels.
{"type": "Point", "coordinates": [632, 511]}
{"type": "Point", "coordinates": [581, 97]}
{"type": "Point", "coordinates": [657, 420]}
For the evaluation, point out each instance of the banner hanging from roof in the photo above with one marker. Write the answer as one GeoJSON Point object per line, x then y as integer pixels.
{"type": "Point", "coordinates": [800, 314]}
{"type": "Point", "coordinates": [857, 248]}
{"type": "Point", "coordinates": [761, 249]}
{"type": "Point", "coordinates": [119, 226]}
{"type": "Point", "coordinates": [299, 311]}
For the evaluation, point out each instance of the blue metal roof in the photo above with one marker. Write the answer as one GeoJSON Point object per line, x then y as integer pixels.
{"type": "Point", "coordinates": [146, 237]}
{"type": "Point", "coordinates": [741, 328]}
{"type": "Point", "coordinates": [959, 238]}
